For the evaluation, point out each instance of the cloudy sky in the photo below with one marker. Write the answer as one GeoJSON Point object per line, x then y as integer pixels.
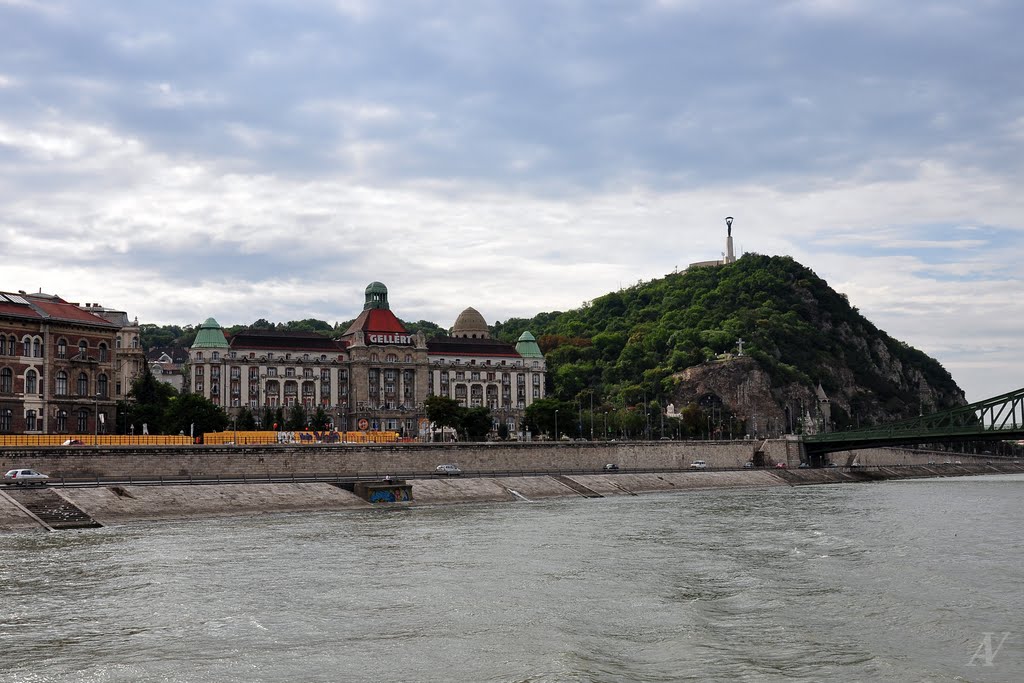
{"type": "Point", "coordinates": [270, 158]}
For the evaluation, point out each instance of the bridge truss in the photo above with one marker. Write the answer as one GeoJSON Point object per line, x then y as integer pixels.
{"type": "Point", "coordinates": [994, 419]}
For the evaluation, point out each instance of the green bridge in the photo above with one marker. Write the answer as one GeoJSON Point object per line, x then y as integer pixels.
{"type": "Point", "coordinates": [995, 419]}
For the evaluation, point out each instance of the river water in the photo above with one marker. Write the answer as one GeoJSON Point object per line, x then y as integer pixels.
{"type": "Point", "coordinates": [897, 581]}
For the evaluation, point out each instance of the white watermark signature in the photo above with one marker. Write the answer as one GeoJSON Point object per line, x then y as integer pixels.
{"type": "Point", "coordinates": [986, 652]}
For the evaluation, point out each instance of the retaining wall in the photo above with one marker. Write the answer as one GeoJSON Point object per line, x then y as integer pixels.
{"type": "Point", "coordinates": [277, 460]}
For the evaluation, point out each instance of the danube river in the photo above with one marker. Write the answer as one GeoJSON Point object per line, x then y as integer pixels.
{"type": "Point", "coordinates": [899, 581]}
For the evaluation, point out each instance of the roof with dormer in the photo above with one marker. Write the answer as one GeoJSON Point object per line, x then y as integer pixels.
{"type": "Point", "coordinates": [283, 341]}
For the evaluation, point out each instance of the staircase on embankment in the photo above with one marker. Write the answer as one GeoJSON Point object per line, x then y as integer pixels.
{"type": "Point", "coordinates": [576, 486]}
{"type": "Point", "coordinates": [51, 510]}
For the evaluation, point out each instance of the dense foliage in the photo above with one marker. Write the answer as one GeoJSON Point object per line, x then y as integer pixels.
{"type": "Point", "coordinates": [163, 410]}
{"type": "Point", "coordinates": [626, 345]}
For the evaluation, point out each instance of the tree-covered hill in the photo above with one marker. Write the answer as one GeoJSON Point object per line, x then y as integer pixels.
{"type": "Point", "coordinates": [635, 343]}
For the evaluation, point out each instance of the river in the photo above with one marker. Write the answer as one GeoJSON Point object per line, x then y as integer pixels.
{"type": "Point", "coordinates": [898, 581]}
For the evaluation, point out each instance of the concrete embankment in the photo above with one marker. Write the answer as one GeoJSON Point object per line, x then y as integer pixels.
{"type": "Point", "coordinates": [126, 503]}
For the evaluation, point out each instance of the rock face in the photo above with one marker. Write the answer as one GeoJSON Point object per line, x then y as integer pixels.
{"type": "Point", "coordinates": [739, 387]}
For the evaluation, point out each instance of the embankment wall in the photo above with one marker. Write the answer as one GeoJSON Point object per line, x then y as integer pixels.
{"type": "Point", "coordinates": [279, 460]}
{"type": "Point", "coordinates": [127, 503]}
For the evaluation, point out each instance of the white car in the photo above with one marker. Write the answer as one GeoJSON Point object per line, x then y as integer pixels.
{"type": "Point", "coordinates": [448, 470]}
{"type": "Point", "coordinates": [698, 465]}
{"type": "Point", "coordinates": [25, 477]}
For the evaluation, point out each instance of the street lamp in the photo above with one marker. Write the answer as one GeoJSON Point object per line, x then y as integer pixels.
{"type": "Point", "coordinates": [556, 424]}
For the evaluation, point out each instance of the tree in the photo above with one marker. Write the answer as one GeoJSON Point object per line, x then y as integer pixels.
{"type": "Point", "coordinates": [192, 413]}
{"type": "Point", "coordinates": [476, 423]}
{"type": "Point", "coordinates": [444, 412]}
{"type": "Point", "coordinates": [321, 419]}
{"type": "Point", "coordinates": [246, 421]}
{"type": "Point", "coordinates": [297, 418]}
{"type": "Point", "coordinates": [149, 401]}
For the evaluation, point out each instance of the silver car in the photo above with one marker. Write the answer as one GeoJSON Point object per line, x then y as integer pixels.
{"type": "Point", "coordinates": [25, 477]}
{"type": "Point", "coordinates": [448, 470]}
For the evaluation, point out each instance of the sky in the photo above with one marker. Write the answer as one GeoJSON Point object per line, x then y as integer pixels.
{"type": "Point", "coordinates": [270, 158]}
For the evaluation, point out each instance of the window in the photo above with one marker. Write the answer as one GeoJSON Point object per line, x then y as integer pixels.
{"type": "Point", "coordinates": [83, 348]}
{"type": "Point", "coordinates": [199, 355]}
{"type": "Point", "coordinates": [37, 348]}
{"type": "Point", "coordinates": [289, 372]}
{"type": "Point", "coordinates": [373, 358]}
{"type": "Point", "coordinates": [408, 358]}
{"type": "Point", "coordinates": [30, 382]}
{"type": "Point", "coordinates": [61, 383]}
{"type": "Point", "coordinates": [271, 372]}
{"type": "Point", "coordinates": [5, 419]}
{"type": "Point", "coordinates": [102, 385]}
{"type": "Point", "coordinates": [12, 343]}
{"type": "Point", "coordinates": [117, 342]}
{"type": "Point", "coordinates": [117, 387]}
{"type": "Point", "coordinates": [62, 348]}
{"type": "Point", "coordinates": [103, 352]}
{"type": "Point", "coordinates": [6, 381]}
{"type": "Point", "coordinates": [391, 358]}
{"type": "Point", "coordinates": [30, 421]}
{"type": "Point", "coordinates": [83, 421]}
{"type": "Point", "coordinates": [254, 373]}
{"type": "Point", "coordinates": [62, 420]}
{"type": "Point", "coordinates": [26, 347]}
{"type": "Point", "coordinates": [83, 384]}
{"type": "Point", "coordinates": [135, 342]}
{"type": "Point", "coordinates": [236, 373]}
{"type": "Point", "coordinates": [215, 355]}
{"type": "Point", "coordinates": [307, 373]}
{"type": "Point", "coordinates": [200, 371]}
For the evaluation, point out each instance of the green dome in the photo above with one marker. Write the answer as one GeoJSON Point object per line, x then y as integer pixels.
{"type": "Point", "coordinates": [527, 346]}
{"type": "Point", "coordinates": [210, 336]}
{"type": "Point", "coordinates": [376, 296]}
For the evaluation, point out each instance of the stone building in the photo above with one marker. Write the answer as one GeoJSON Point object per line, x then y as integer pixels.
{"type": "Point", "coordinates": [58, 367]}
{"type": "Point", "coordinates": [375, 376]}
{"type": "Point", "coordinates": [167, 364]}
{"type": "Point", "coordinates": [478, 371]}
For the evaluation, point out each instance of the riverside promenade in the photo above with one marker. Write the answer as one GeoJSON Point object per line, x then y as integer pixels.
{"type": "Point", "coordinates": [154, 483]}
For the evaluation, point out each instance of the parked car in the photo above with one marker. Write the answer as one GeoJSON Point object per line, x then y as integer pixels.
{"type": "Point", "coordinates": [803, 466]}
{"type": "Point", "coordinates": [748, 464]}
{"type": "Point", "coordinates": [780, 465]}
{"type": "Point", "coordinates": [448, 470]}
{"type": "Point", "coordinates": [73, 442]}
{"type": "Point", "coordinates": [24, 477]}
{"type": "Point", "coordinates": [611, 467]}
{"type": "Point", "coordinates": [698, 465]}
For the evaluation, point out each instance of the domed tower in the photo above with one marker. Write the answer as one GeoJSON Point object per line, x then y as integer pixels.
{"type": "Point", "coordinates": [470, 325]}
{"type": "Point", "coordinates": [376, 297]}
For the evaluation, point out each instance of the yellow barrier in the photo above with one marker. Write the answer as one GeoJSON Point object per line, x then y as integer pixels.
{"type": "Point", "coordinates": [301, 438]}
{"type": "Point", "coordinates": [93, 440]}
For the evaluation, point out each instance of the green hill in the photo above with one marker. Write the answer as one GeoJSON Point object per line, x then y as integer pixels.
{"type": "Point", "coordinates": [646, 342]}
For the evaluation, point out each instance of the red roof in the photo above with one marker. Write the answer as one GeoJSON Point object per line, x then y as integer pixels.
{"type": "Point", "coordinates": [62, 310]}
{"type": "Point", "coordinates": [377, 320]}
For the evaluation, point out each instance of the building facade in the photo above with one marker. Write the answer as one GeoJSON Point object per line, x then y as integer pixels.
{"type": "Point", "coordinates": [58, 367]}
{"type": "Point", "coordinates": [375, 376]}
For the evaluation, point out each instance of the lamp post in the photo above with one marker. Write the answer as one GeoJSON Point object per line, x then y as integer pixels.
{"type": "Point", "coordinates": [556, 424]}
{"type": "Point", "coordinates": [96, 421]}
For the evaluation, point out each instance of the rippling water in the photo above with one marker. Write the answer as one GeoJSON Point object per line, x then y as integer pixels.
{"type": "Point", "coordinates": [898, 581]}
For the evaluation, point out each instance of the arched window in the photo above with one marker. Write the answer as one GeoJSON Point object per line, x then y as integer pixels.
{"type": "Point", "coordinates": [6, 416]}
{"type": "Point", "coordinates": [62, 348]}
{"type": "Point", "coordinates": [60, 386]}
{"type": "Point", "coordinates": [117, 342]}
{"type": "Point", "coordinates": [83, 384]}
{"type": "Point", "coordinates": [102, 385]}
{"type": "Point", "coordinates": [12, 344]}
{"type": "Point", "coordinates": [37, 347]}
{"type": "Point", "coordinates": [391, 358]}
{"type": "Point", "coordinates": [6, 381]}
{"type": "Point", "coordinates": [30, 421]}
{"type": "Point", "coordinates": [83, 420]}
{"type": "Point", "coordinates": [83, 348]}
{"type": "Point", "coordinates": [103, 352]}
{"type": "Point", "coordinates": [62, 420]}
{"type": "Point", "coordinates": [26, 347]}
{"type": "Point", "coordinates": [30, 382]}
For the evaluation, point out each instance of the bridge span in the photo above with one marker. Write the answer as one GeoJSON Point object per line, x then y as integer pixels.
{"type": "Point", "coordinates": [1000, 418]}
